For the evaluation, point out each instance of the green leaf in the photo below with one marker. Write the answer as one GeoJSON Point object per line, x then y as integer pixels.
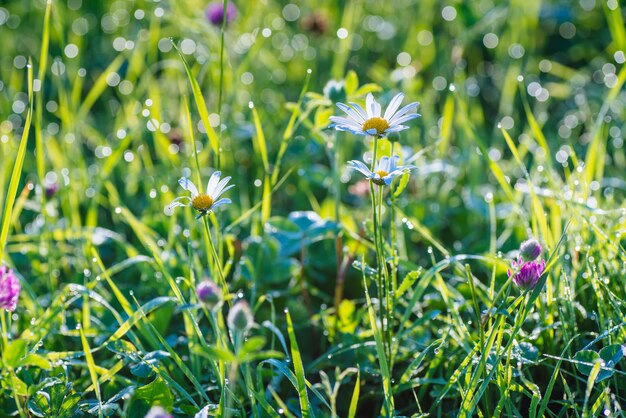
{"type": "Point", "coordinates": [37, 361]}
{"type": "Point", "coordinates": [586, 356]}
{"type": "Point", "coordinates": [156, 393]}
{"type": "Point", "coordinates": [14, 353]}
{"type": "Point", "coordinates": [352, 83]}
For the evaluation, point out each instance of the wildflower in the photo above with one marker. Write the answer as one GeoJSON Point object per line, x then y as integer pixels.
{"type": "Point", "coordinates": [526, 274]}
{"type": "Point", "coordinates": [203, 202]}
{"type": "Point", "coordinates": [9, 289]}
{"type": "Point", "coordinates": [208, 293]}
{"type": "Point", "coordinates": [385, 170]}
{"type": "Point", "coordinates": [157, 412]}
{"type": "Point", "coordinates": [240, 316]}
{"type": "Point", "coordinates": [316, 23]}
{"type": "Point", "coordinates": [215, 12]}
{"type": "Point", "coordinates": [51, 189]}
{"type": "Point", "coordinates": [371, 121]}
{"type": "Point", "coordinates": [530, 249]}
{"type": "Point", "coordinates": [335, 90]}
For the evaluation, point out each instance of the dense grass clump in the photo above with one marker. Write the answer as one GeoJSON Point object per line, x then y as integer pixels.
{"type": "Point", "coordinates": [208, 211]}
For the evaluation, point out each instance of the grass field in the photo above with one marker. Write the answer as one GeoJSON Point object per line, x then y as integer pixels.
{"type": "Point", "coordinates": [485, 278]}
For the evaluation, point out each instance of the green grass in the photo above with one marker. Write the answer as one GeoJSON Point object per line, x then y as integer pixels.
{"type": "Point", "coordinates": [404, 311]}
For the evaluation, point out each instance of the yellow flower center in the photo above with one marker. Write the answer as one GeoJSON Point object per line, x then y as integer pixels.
{"type": "Point", "coordinates": [202, 202]}
{"type": "Point", "coordinates": [381, 173]}
{"type": "Point", "coordinates": [380, 124]}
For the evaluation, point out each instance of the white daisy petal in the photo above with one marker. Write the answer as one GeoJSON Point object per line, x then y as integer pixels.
{"type": "Point", "coordinates": [377, 109]}
{"type": "Point", "coordinates": [405, 118]}
{"type": "Point", "coordinates": [372, 131]}
{"type": "Point", "coordinates": [215, 178]}
{"type": "Point", "coordinates": [358, 109]}
{"type": "Point", "coordinates": [404, 110]}
{"type": "Point", "coordinates": [393, 163]}
{"type": "Point", "coordinates": [217, 193]}
{"type": "Point", "coordinates": [393, 105]}
{"type": "Point", "coordinates": [383, 164]}
{"type": "Point", "coordinates": [218, 190]}
{"type": "Point", "coordinates": [350, 129]}
{"type": "Point", "coordinates": [361, 167]}
{"type": "Point", "coordinates": [351, 112]}
{"type": "Point", "coordinates": [344, 122]}
{"type": "Point", "coordinates": [221, 202]}
{"type": "Point", "coordinates": [396, 128]}
{"type": "Point", "coordinates": [186, 184]}
{"type": "Point", "coordinates": [369, 105]}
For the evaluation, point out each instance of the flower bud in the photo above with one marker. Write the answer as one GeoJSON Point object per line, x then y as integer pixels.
{"type": "Point", "coordinates": [335, 91]}
{"type": "Point", "coordinates": [51, 189]}
{"type": "Point", "coordinates": [530, 249]}
{"type": "Point", "coordinates": [9, 289]}
{"type": "Point", "coordinates": [527, 274]}
{"type": "Point", "coordinates": [240, 316]}
{"type": "Point", "coordinates": [215, 13]}
{"type": "Point", "coordinates": [208, 293]}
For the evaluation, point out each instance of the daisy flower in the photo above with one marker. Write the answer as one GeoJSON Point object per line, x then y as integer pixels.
{"type": "Point", "coordinates": [371, 121]}
{"type": "Point", "coordinates": [385, 170]}
{"type": "Point", "coordinates": [203, 202]}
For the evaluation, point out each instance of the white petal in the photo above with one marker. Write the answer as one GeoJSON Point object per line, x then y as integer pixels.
{"type": "Point", "coordinates": [221, 185]}
{"type": "Point", "coordinates": [358, 109]}
{"type": "Point", "coordinates": [186, 184]}
{"type": "Point", "coordinates": [404, 110]}
{"type": "Point", "coordinates": [350, 129]}
{"type": "Point", "coordinates": [344, 122]}
{"type": "Point", "coordinates": [396, 128]}
{"type": "Point", "coordinates": [393, 105]}
{"type": "Point", "coordinates": [359, 166]}
{"type": "Point", "coordinates": [405, 118]}
{"type": "Point", "coordinates": [215, 178]}
{"type": "Point", "coordinates": [221, 202]}
{"type": "Point", "coordinates": [220, 191]}
{"type": "Point", "coordinates": [350, 112]}
{"type": "Point", "coordinates": [393, 163]}
{"type": "Point", "coordinates": [383, 164]}
{"type": "Point", "coordinates": [369, 105]}
{"type": "Point", "coordinates": [377, 109]}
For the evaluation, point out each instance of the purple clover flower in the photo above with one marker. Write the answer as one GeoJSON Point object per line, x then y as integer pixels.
{"type": "Point", "coordinates": [526, 274]}
{"type": "Point", "coordinates": [215, 12]}
{"type": "Point", "coordinates": [9, 289]}
{"type": "Point", "coordinates": [208, 293]}
{"type": "Point", "coordinates": [51, 189]}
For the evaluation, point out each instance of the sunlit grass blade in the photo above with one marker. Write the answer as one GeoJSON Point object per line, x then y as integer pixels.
{"type": "Point", "coordinates": [92, 369]}
{"type": "Point", "coordinates": [200, 104]}
{"type": "Point", "coordinates": [305, 406]}
{"type": "Point", "coordinates": [355, 396]}
{"type": "Point", "coordinates": [17, 167]}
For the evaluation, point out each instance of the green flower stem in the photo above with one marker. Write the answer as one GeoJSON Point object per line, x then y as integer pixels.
{"type": "Point", "coordinates": [218, 263]}
{"type": "Point", "coordinates": [340, 279]}
{"type": "Point", "coordinates": [5, 341]}
{"type": "Point", "coordinates": [375, 221]}
{"type": "Point", "coordinates": [386, 296]}
{"type": "Point", "coordinates": [382, 275]}
{"type": "Point", "coordinates": [5, 331]}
